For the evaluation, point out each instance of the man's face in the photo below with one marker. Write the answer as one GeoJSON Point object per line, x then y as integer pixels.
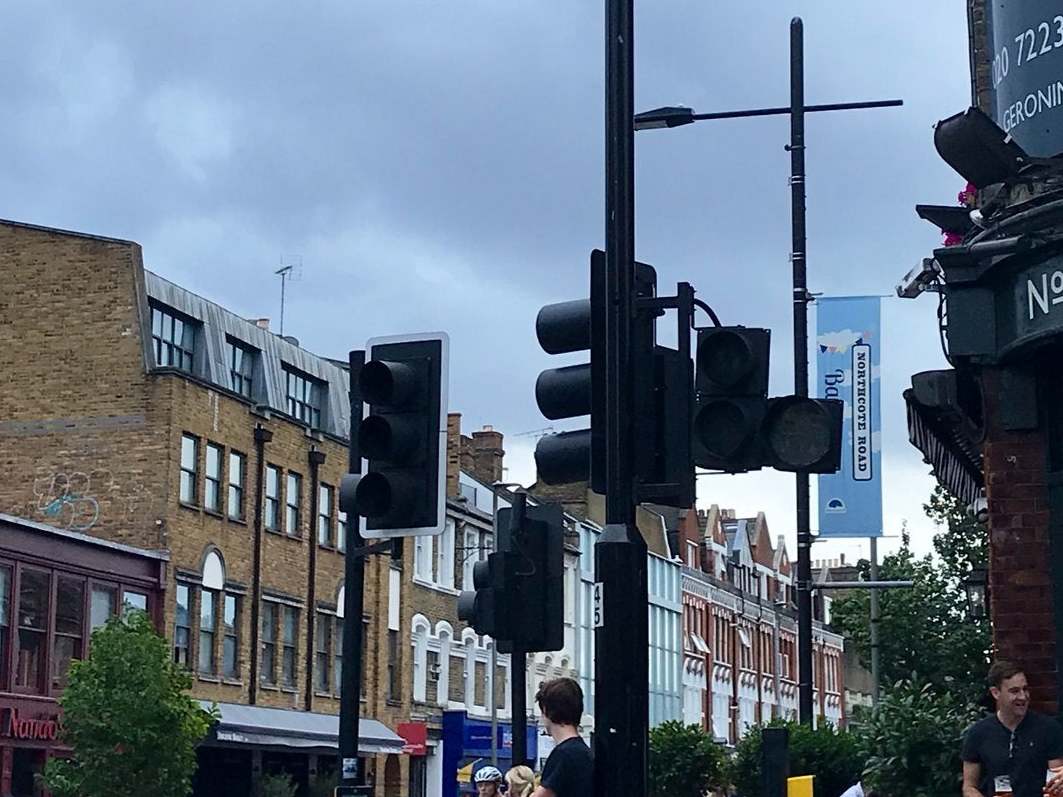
{"type": "Point", "coordinates": [486, 789]}
{"type": "Point", "coordinates": [1013, 695]}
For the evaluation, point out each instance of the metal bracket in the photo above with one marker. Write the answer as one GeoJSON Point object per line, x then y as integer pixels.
{"type": "Point", "coordinates": [371, 550]}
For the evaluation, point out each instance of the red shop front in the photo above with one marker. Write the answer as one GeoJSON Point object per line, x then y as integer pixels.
{"type": "Point", "coordinates": [56, 586]}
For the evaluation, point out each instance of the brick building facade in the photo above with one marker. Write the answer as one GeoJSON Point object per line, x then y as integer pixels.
{"type": "Point", "coordinates": [990, 426]}
{"type": "Point", "coordinates": [138, 412]}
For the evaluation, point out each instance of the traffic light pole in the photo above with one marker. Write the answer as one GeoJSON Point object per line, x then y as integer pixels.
{"type": "Point", "coordinates": [353, 603]}
{"type": "Point", "coordinates": [621, 637]}
{"type": "Point", "coordinates": [801, 298]}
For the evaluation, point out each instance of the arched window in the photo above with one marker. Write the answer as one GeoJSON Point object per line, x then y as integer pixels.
{"type": "Point", "coordinates": [213, 570]}
{"type": "Point", "coordinates": [469, 639]}
{"type": "Point", "coordinates": [421, 629]}
{"type": "Point", "coordinates": [446, 634]}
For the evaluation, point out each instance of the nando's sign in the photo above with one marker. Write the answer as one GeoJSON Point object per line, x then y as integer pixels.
{"type": "Point", "coordinates": [27, 729]}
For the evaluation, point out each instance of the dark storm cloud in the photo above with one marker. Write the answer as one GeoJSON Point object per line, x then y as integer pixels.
{"type": "Point", "coordinates": [439, 164]}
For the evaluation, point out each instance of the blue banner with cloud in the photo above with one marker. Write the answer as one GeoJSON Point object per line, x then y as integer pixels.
{"type": "Point", "coordinates": [848, 342]}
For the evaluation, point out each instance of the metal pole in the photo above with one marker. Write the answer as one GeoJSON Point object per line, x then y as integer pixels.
{"type": "Point", "coordinates": [621, 638]}
{"type": "Point", "coordinates": [875, 651]}
{"type": "Point", "coordinates": [353, 603]}
{"type": "Point", "coordinates": [519, 672]}
{"type": "Point", "coordinates": [494, 644]}
{"type": "Point", "coordinates": [800, 297]}
{"type": "Point", "coordinates": [519, 703]}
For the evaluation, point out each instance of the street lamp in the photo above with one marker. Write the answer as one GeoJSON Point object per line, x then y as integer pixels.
{"type": "Point", "coordinates": [976, 586]}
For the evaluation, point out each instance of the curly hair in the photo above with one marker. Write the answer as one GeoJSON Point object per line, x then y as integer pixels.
{"type": "Point", "coordinates": [522, 781]}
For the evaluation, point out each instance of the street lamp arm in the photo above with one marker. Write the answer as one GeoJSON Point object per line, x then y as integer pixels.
{"type": "Point", "coordinates": [676, 116]}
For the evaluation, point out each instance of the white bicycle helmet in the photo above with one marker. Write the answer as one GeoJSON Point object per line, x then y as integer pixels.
{"type": "Point", "coordinates": [488, 775]}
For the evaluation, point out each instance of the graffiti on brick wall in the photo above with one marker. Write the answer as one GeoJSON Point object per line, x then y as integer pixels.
{"type": "Point", "coordinates": [79, 500]}
{"type": "Point", "coordinates": [66, 500]}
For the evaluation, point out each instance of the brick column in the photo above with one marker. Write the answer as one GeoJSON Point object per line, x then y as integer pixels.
{"type": "Point", "coordinates": [1020, 595]}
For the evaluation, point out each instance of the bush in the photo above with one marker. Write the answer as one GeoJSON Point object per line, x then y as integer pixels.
{"type": "Point", "coordinates": [683, 761]}
{"type": "Point", "coordinates": [834, 757]}
{"type": "Point", "coordinates": [279, 785]}
{"type": "Point", "coordinates": [913, 738]}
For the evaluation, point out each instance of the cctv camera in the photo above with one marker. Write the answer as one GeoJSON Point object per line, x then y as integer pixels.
{"type": "Point", "coordinates": [920, 279]}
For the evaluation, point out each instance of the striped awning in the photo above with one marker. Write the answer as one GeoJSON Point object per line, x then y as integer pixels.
{"type": "Point", "coordinates": [955, 458]}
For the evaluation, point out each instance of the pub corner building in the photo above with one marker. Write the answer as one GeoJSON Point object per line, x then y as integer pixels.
{"type": "Point", "coordinates": [991, 425]}
{"type": "Point", "coordinates": [56, 586]}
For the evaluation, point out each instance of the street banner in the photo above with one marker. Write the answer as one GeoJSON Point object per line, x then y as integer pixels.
{"type": "Point", "coordinates": [848, 340]}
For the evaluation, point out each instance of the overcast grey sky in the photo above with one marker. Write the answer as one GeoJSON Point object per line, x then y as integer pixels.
{"type": "Point", "coordinates": [439, 165]}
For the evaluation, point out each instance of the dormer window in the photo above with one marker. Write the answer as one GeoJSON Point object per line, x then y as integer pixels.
{"type": "Point", "coordinates": [174, 338]}
{"type": "Point", "coordinates": [305, 395]}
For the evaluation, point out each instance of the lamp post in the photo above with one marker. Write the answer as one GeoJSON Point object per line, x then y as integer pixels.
{"type": "Point", "coordinates": [976, 585]}
{"type": "Point", "coordinates": [676, 116]}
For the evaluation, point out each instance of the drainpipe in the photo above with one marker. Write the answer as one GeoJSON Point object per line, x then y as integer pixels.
{"type": "Point", "coordinates": [262, 436]}
{"type": "Point", "coordinates": [317, 459]}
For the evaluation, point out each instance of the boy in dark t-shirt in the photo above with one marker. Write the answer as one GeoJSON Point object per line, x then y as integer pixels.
{"type": "Point", "coordinates": [569, 771]}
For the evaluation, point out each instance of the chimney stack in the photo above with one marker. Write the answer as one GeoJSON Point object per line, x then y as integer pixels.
{"type": "Point", "coordinates": [262, 323]}
{"type": "Point", "coordinates": [453, 454]}
{"type": "Point", "coordinates": [486, 452]}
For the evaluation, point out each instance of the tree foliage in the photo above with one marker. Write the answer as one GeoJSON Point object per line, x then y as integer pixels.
{"type": "Point", "coordinates": [835, 757]}
{"type": "Point", "coordinates": [128, 718]}
{"type": "Point", "coordinates": [913, 739]}
{"type": "Point", "coordinates": [683, 761]}
{"type": "Point", "coordinates": [924, 632]}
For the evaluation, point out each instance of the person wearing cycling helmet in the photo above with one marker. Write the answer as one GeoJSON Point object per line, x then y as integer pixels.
{"type": "Point", "coordinates": [488, 781]}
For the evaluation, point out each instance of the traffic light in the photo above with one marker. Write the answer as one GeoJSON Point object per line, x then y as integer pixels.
{"type": "Point", "coordinates": [731, 381]}
{"type": "Point", "coordinates": [574, 390]}
{"type": "Point", "coordinates": [403, 385]}
{"type": "Point", "coordinates": [662, 379]}
{"type": "Point", "coordinates": [518, 595]}
{"type": "Point", "coordinates": [737, 428]}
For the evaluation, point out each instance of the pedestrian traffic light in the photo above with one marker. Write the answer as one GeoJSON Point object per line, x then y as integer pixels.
{"type": "Point", "coordinates": [518, 591]}
{"type": "Point", "coordinates": [737, 428]}
{"type": "Point", "coordinates": [403, 385]}
{"type": "Point", "coordinates": [731, 381]}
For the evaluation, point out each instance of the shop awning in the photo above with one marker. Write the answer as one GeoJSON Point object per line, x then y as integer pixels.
{"type": "Point", "coordinates": [939, 433]}
{"type": "Point", "coordinates": [305, 730]}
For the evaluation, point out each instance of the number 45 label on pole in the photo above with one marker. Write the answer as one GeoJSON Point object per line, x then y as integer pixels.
{"type": "Point", "coordinates": [599, 613]}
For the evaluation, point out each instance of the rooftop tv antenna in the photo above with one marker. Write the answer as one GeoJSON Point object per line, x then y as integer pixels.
{"type": "Point", "coordinates": [288, 271]}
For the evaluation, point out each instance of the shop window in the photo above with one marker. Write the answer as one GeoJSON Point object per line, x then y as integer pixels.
{"type": "Point", "coordinates": [268, 670]}
{"type": "Point", "coordinates": [5, 622]}
{"type": "Point", "coordinates": [237, 477]}
{"type": "Point", "coordinates": [182, 626]}
{"type": "Point", "coordinates": [212, 478]}
{"type": "Point", "coordinates": [273, 497]}
{"type": "Point", "coordinates": [289, 636]}
{"type": "Point", "coordinates": [134, 601]}
{"type": "Point", "coordinates": [102, 607]}
{"type": "Point", "coordinates": [230, 653]}
{"type": "Point", "coordinates": [207, 603]}
{"type": "Point", "coordinates": [34, 588]}
{"type": "Point", "coordinates": [322, 642]}
{"type": "Point", "coordinates": [69, 625]}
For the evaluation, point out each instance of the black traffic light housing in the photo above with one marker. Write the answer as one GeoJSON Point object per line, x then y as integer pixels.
{"type": "Point", "coordinates": [518, 595]}
{"type": "Point", "coordinates": [737, 428]}
{"type": "Point", "coordinates": [402, 435]}
{"type": "Point", "coordinates": [662, 401]}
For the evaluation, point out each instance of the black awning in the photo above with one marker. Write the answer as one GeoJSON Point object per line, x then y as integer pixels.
{"type": "Point", "coordinates": [956, 459]}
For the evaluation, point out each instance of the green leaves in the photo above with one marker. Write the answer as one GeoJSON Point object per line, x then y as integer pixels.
{"type": "Point", "coordinates": [834, 757]}
{"type": "Point", "coordinates": [913, 740]}
{"type": "Point", "coordinates": [128, 719]}
{"type": "Point", "coordinates": [925, 634]}
{"type": "Point", "coordinates": [683, 761]}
